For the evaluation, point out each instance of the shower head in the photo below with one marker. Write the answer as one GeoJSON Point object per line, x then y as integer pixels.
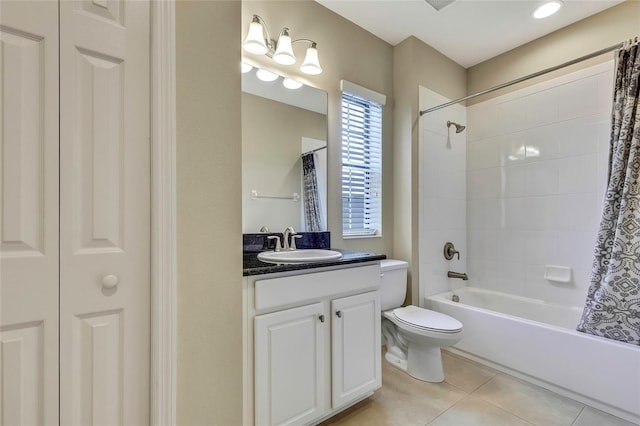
{"type": "Point", "coordinates": [459, 127]}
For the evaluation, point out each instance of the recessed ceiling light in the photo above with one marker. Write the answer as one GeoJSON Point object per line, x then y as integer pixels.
{"type": "Point", "coordinates": [547, 9]}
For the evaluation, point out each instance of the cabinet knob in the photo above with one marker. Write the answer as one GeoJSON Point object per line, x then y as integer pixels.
{"type": "Point", "coordinates": [321, 318]}
{"type": "Point", "coordinates": [110, 281]}
{"type": "Point", "coordinates": [339, 314]}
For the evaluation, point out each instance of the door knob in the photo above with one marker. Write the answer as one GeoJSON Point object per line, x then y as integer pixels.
{"type": "Point", "coordinates": [109, 281]}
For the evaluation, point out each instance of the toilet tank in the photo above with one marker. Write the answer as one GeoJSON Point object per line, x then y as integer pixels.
{"type": "Point", "coordinates": [393, 283]}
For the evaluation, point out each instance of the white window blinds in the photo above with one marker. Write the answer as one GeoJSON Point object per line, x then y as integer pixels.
{"type": "Point", "coordinates": [361, 165]}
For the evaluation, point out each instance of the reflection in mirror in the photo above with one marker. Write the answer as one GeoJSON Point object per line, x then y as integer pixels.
{"type": "Point", "coordinates": [284, 156]}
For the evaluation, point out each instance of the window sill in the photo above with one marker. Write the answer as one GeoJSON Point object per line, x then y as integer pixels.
{"type": "Point", "coordinates": [355, 237]}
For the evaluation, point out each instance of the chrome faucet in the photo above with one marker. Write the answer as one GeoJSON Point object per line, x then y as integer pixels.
{"type": "Point", "coordinates": [460, 275]}
{"type": "Point", "coordinates": [277, 238]}
{"type": "Point", "coordinates": [290, 233]}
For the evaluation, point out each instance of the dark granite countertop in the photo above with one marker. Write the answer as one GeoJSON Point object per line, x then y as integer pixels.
{"type": "Point", "coordinates": [252, 266]}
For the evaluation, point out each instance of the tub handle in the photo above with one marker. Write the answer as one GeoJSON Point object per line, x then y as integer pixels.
{"type": "Point", "coordinates": [450, 251]}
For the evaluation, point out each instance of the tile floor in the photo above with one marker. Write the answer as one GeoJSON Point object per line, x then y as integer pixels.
{"type": "Point", "coordinates": [471, 394]}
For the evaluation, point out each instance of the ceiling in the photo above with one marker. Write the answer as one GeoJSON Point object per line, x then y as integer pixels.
{"type": "Point", "coordinates": [466, 31]}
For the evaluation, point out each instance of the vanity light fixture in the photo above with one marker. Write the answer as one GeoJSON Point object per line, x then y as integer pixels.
{"type": "Point", "coordinates": [246, 68]}
{"type": "Point", "coordinates": [547, 9]}
{"type": "Point", "coordinates": [259, 42]}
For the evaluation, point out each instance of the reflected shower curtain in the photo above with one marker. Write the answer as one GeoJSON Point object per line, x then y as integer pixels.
{"type": "Point", "coordinates": [312, 216]}
{"type": "Point", "coordinates": [612, 308]}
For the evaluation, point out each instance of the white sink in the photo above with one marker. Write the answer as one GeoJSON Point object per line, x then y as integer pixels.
{"type": "Point", "coordinates": [299, 256]}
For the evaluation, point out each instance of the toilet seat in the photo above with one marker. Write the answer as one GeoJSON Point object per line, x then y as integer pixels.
{"type": "Point", "coordinates": [427, 320]}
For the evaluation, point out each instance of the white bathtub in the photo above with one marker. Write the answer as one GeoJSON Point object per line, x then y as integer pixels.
{"type": "Point", "coordinates": [538, 342]}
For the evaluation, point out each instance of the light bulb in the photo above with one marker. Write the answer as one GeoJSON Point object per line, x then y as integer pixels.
{"type": "Point", "coordinates": [255, 42]}
{"type": "Point", "coordinates": [284, 51]}
{"type": "Point", "coordinates": [311, 64]}
{"type": "Point", "coordinates": [265, 75]}
{"type": "Point", "coordinates": [246, 68]}
{"type": "Point", "coordinates": [291, 84]}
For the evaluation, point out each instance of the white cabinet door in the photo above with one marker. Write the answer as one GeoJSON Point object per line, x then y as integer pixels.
{"type": "Point", "coordinates": [28, 213]}
{"type": "Point", "coordinates": [104, 212]}
{"type": "Point", "coordinates": [290, 365]}
{"type": "Point", "coordinates": [355, 347]}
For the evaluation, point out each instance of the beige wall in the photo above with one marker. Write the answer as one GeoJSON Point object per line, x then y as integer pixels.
{"type": "Point", "coordinates": [209, 213]}
{"type": "Point", "coordinates": [414, 64]}
{"type": "Point", "coordinates": [271, 164]}
{"type": "Point", "coordinates": [605, 29]}
{"type": "Point", "coordinates": [346, 52]}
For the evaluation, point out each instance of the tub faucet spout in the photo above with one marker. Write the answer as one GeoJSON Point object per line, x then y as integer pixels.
{"type": "Point", "coordinates": [459, 275]}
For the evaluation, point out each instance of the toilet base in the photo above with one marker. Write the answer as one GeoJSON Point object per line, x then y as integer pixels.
{"type": "Point", "coordinates": [396, 358]}
{"type": "Point", "coordinates": [423, 363]}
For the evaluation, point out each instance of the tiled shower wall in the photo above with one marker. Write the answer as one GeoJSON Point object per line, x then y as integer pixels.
{"type": "Point", "coordinates": [442, 199]}
{"type": "Point", "coordinates": [536, 172]}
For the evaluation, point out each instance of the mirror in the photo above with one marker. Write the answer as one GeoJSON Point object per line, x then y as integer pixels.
{"type": "Point", "coordinates": [279, 125]}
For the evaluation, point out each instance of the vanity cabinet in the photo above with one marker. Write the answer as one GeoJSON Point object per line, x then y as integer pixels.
{"type": "Point", "coordinates": [290, 367]}
{"type": "Point", "coordinates": [313, 344]}
{"type": "Point", "coordinates": [355, 347]}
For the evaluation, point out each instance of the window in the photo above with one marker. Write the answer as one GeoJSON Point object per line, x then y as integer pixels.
{"type": "Point", "coordinates": [361, 161]}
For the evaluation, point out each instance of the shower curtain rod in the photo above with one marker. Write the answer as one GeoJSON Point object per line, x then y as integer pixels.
{"type": "Point", "coordinates": [313, 150]}
{"type": "Point", "coordinates": [525, 78]}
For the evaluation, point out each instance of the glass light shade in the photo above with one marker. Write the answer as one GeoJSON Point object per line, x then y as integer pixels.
{"type": "Point", "coordinates": [284, 51]}
{"type": "Point", "coordinates": [255, 42]}
{"type": "Point", "coordinates": [291, 84]}
{"type": "Point", "coordinates": [311, 64]}
{"type": "Point", "coordinates": [265, 75]}
{"type": "Point", "coordinates": [246, 68]}
{"type": "Point", "coordinates": [547, 9]}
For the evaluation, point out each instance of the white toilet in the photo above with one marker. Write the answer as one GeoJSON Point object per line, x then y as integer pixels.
{"type": "Point", "coordinates": [414, 335]}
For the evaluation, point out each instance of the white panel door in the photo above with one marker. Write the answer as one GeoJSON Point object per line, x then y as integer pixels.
{"type": "Point", "coordinates": [28, 213]}
{"type": "Point", "coordinates": [290, 366]}
{"type": "Point", "coordinates": [355, 347]}
{"type": "Point", "coordinates": [104, 212]}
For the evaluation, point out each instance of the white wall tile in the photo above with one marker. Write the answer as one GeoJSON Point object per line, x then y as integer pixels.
{"type": "Point", "coordinates": [541, 144]}
{"type": "Point", "coordinates": [484, 183]}
{"type": "Point", "coordinates": [578, 98]}
{"type": "Point", "coordinates": [511, 246]}
{"type": "Point", "coordinates": [483, 154]}
{"type": "Point", "coordinates": [577, 174]}
{"type": "Point", "coordinates": [541, 213]}
{"type": "Point", "coordinates": [483, 244]}
{"type": "Point", "coordinates": [485, 213]}
{"type": "Point", "coordinates": [512, 181]}
{"type": "Point", "coordinates": [579, 136]}
{"type": "Point", "coordinates": [541, 248]}
{"type": "Point", "coordinates": [511, 116]}
{"type": "Point", "coordinates": [541, 108]}
{"type": "Point", "coordinates": [541, 178]}
{"type": "Point", "coordinates": [512, 214]}
{"type": "Point", "coordinates": [510, 277]}
{"type": "Point", "coordinates": [511, 149]}
{"type": "Point", "coordinates": [579, 212]}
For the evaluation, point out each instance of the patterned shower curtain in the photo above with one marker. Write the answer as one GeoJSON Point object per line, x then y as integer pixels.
{"type": "Point", "coordinates": [612, 308]}
{"type": "Point", "coordinates": [311, 200]}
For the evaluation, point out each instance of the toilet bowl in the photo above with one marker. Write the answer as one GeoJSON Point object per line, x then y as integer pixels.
{"type": "Point", "coordinates": [414, 335]}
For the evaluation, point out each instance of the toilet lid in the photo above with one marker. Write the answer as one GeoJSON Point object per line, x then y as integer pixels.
{"type": "Point", "coordinates": [426, 319]}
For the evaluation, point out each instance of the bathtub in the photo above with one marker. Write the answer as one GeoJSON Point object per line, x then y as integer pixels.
{"type": "Point", "coordinates": [537, 342]}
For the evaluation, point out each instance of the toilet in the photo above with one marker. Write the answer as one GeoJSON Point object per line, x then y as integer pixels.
{"type": "Point", "coordinates": [414, 335]}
